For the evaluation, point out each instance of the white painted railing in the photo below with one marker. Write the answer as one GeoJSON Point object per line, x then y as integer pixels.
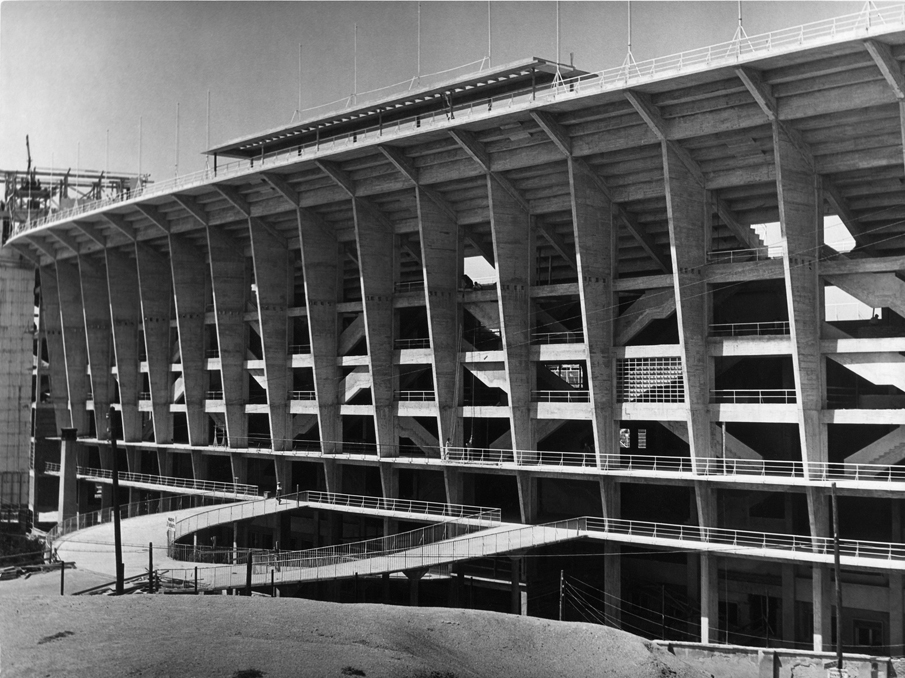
{"type": "Point", "coordinates": [572, 395]}
{"type": "Point", "coordinates": [88, 473]}
{"type": "Point", "coordinates": [753, 396]}
{"type": "Point", "coordinates": [777, 327]}
{"type": "Point", "coordinates": [415, 396]}
{"type": "Point", "coordinates": [557, 337]}
{"type": "Point", "coordinates": [420, 342]}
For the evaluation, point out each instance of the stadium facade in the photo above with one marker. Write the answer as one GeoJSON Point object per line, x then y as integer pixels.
{"type": "Point", "coordinates": [304, 314]}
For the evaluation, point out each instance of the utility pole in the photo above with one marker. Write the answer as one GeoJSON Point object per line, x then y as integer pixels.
{"type": "Point", "coordinates": [117, 532]}
{"type": "Point", "coordinates": [836, 567]}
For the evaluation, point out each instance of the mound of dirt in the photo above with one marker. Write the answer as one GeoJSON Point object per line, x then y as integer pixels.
{"type": "Point", "coordinates": [237, 637]}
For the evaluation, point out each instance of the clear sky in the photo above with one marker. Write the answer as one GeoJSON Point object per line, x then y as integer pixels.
{"type": "Point", "coordinates": [74, 73]}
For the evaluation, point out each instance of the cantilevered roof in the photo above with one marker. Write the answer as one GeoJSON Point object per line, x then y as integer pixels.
{"type": "Point", "coordinates": [495, 81]}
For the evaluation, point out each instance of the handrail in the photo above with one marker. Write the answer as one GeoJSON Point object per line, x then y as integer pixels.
{"type": "Point", "coordinates": [418, 342]}
{"type": "Point", "coordinates": [571, 395]}
{"type": "Point", "coordinates": [415, 396]}
{"type": "Point", "coordinates": [244, 510]}
{"type": "Point", "coordinates": [735, 51]}
{"type": "Point", "coordinates": [753, 396]}
{"type": "Point", "coordinates": [567, 337]}
{"type": "Point", "coordinates": [303, 395]}
{"type": "Point", "coordinates": [138, 508]}
{"type": "Point", "coordinates": [170, 481]}
{"type": "Point", "coordinates": [770, 328]}
{"type": "Point", "coordinates": [299, 349]}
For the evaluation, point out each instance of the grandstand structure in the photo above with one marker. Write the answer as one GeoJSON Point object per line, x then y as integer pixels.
{"type": "Point", "coordinates": [305, 315]}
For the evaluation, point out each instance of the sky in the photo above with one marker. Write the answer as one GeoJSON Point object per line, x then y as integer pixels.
{"type": "Point", "coordinates": [82, 78]}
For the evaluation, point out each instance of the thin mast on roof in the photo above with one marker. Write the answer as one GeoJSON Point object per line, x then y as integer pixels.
{"type": "Point", "coordinates": [352, 98]}
{"type": "Point", "coordinates": [629, 58]}
{"type": "Point", "coordinates": [557, 79]}
{"type": "Point", "coordinates": [208, 145]}
{"type": "Point", "coordinates": [177, 141]}
{"type": "Point", "coordinates": [298, 111]}
{"type": "Point", "coordinates": [868, 7]}
{"type": "Point", "coordinates": [489, 40]}
{"type": "Point", "coordinates": [740, 34]}
{"type": "Point", "coordinates": [419, 43]}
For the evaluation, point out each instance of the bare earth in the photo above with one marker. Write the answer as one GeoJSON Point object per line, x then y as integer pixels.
{"type": "Point", "coordinates": [43, 634]}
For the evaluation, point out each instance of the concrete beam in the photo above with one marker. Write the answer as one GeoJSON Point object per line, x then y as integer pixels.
{"type": "Point", "coordinates": [96, 308]}
{"type": "Point", "coordinates": [75, 343]}
{"type": "Point", "coordinates": [51, 324]}
{"type": "Point", "coordinates": [125, 316]}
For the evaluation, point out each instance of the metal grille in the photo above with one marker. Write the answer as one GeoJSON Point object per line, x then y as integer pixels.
{"type": "Point", "coordinates": [650, 380]}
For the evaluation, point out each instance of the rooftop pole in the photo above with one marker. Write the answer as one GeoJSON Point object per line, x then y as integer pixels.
{"type": "Point", "coordinates": [489, 38]}
{"type": "Point", "coordinates": [419, 43]}
{"type": "Point", "coordinates": [177, 140]}
{"type": "Point", "coordinates": [300, 81]}
{"type": "Point", "coordinates": [354, 65]}
{"type": "Point", "coordinates": [139, 152]}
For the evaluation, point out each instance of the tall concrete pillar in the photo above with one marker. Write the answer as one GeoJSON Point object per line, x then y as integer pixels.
{"type": "Point", "coordinates": [320, 253]}
{"type": "Point", "coordinates": [518, 593]}
{"type": "Point", "coordinates": [67, 503]}
{"type": "Point", "coordinates": [595, 234]}
{"type": "Point", "coordinates": [610, 495]}
{"type": "Point", "coordinates": [75, 345]}
{"type": "Point", "coordinates": [821, 594]}
{"type": "Point", "coordinates": [376, 260]}
{"type": "Point", "coordinates": [453, 482]}
{"type": "Point", "coordinates": [227, 263]}
{"type": "Point", "coordinates": [125, 318]}
{"type": "Point", "coordinates": [190, 276]}
{"type": "Point", "coordinates": [51, 323]}
{"type": "Point", "coordinates": [199, 465]}
{"type": "Point", "coordinates": [156, 291]}
{"type": "Point", "coordinates": [96, 309]}
{"type": "Point", "coordinates": [333, 475]}
{"type": "Point", "coordinates": [710, 599]}
{"type": "Point", "coordinates": [687, 208]}
{"type": "Point", "coordinates": [800, 219]}
{"type": "Point", "coordinates": [527, 496]}
{"type": "Point", "coordinates": [414, 577]}
{"type": "Point", "coordinates": [788, 604]}
{"type": "Point", "coordinates": [272, 265]}
{"type": "Point", "coordinates": [513, 249]}
{"type": "Point", "coordinates": [439, 236]}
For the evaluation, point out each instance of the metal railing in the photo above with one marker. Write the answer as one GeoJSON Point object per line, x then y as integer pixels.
{"type": "Point", "coordinates": [212, 353]}
{"type": "Point", "coordinates": [299, 349]}
{"type": "Point", "coordinates": [144, 395]}
{"type": "Point", "coordinates": [420, 342]}
{"type": "Point", "coordinates": [572, 395]}
{"type": "Point", "coordinates": [168, 481]}
{"type": "Point", "coordinates": [245, 510]}
{"type": "Point", "coordinates": [139, 508]}
{"type": "Point", "coordinates": [213, 395]}
{"type": "Point", "coordinates": [415, 396]}
{"type": "Point", "coordinates": [409, 285]}
{"type": "Point", "coordinates": [753, 396]}
{"type": "Point", "coordinates": [741, 255]}
{"type": "Point", "coordinates": [744, 539]}
{"type": "Point", "coordinates": [303, 395]}
{"type": "Point", "coordinates": [873, 20]}
{"type": "Point", "coordinates": [567, 337]}
{"type": "Point", "coordinates": [759, 329]}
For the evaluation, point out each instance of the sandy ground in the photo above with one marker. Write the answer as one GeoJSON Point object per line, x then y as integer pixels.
{"type": "Point", "coordinates": [43, 634]}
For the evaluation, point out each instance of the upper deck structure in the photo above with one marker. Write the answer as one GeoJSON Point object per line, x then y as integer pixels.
{"type": "Point", "coordinates": [301, 313]}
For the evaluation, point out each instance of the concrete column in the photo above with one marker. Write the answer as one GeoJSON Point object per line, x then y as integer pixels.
{"type": "Point", "coordinates": [239, 465]}
{"type": "Point", "coordinates": [320, 254]}
{"type": "Point", "coordinates": [96, 309]}
{"type": "Point", "coordinates": [272, 264]}
{"type": "Point", "coordinates": [333, 475]}
{"type": "Point", "coordinates": [896, 612]}
{"type": "Point", "coordinates": [376, 260]}
{"type": "Point", "coordinates": [687, 208]}
{"type": "Point", "coordinates": [282, 467]}
{"type": "Point", "coordinates": [190, 276]}
{"type": "Point", "coordinates": [527, 495]}
{"type": "Point", "coordinates": [414, 576]}
{"type": "Point", "coordinates": [227, 263]}
{"type": "Point", "coordinates": [75, 344]}
{"type": "Point", "coordinates": [165, 463]}
{"type": "Point", "coordinates": [439, 236]}
{"type": "Point", "coordinates": [800, 218]}
{"type": "Point", "coordinates": [67, 502]}
{"type": "Point", "coordinates": [821, 594]}
{"type": "Point", "coordinates": [595, 234]}
{"type": "Point", "coordinates": [610, 494]}
{"type": "Point", "coordinates": [155, 286]}
{"type": "Point", "coordinates": [513, 249]}
{"type": "Point", "coordinates": [51, 323]}
{"type": "Point", "coordinates": [199, 465]}
{"type": "Point", "coordinates": [710, 599]}
{"type": "Point", "coordinates": [453, 482]}
{"type": "Point", "coordinates": [125, 316]}
{"type": "Point", "coordinates": [518, 595]}
{"type": "Point", "coordinates": [389, 480]}
{"type": "Point", "coordinates": [788, 604]}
